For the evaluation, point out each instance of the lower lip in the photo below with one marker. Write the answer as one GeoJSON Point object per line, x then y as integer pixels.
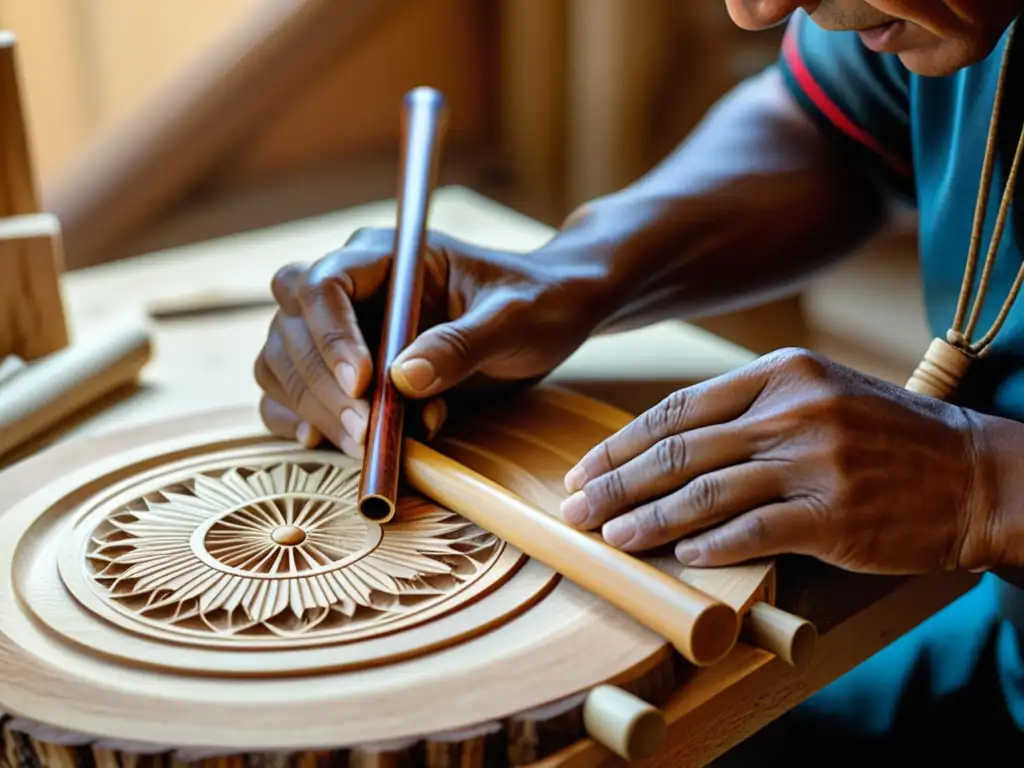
{"type": "Point", "coordinates": [882, 39]}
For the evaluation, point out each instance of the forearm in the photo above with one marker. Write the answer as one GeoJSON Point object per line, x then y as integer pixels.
{"type": "Point", "coordinates": [749, 206]}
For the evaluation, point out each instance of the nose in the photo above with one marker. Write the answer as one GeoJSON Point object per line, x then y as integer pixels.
{"type": "Point", "coordinates": [755, 15]}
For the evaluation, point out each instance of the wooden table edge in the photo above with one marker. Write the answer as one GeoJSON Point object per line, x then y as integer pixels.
{"type": "Point", "coordinates": [712, 711]}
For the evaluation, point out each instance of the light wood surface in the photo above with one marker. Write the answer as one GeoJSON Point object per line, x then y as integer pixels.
{"type": "Point", "coordinates": [151, 531]}
{"type": "Point", "coordinates": [205, 362]}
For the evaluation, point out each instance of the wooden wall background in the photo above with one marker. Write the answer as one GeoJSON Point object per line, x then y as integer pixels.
{"type": "Point", "coordinates": [145, 135]}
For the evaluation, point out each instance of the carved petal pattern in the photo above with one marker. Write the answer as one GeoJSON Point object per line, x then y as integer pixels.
{"type": "Point", "coordinates": [279, 550]}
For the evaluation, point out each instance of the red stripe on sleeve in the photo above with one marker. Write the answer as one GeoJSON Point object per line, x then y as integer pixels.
{"type": "Point", "coordinates": [831, 110]}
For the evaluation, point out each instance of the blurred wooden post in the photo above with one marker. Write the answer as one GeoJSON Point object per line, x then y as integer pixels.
{"type": "Point", "coordinates": [534, 89]}
{"type": "Point", "coordinates": [617, 61]}
{"type": "Point", "coordinates": [32, 319]}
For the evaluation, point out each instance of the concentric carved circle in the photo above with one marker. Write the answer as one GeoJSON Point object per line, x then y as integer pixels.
{"type": "Point", "coordinates": [265, 553]}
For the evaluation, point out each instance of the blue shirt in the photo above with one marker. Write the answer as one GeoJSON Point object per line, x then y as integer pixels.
{"type": "Point", "coordinates": [925, 138]}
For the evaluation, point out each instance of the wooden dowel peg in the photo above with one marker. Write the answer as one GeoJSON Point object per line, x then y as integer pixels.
{"type": "Point", "coordinates": [54, 387]}
{"type": "Point", "coordinates": [701, 628]}
{"type": "Point", "coordinates": [10, 367]}
{"type": "Point", "coordinates": [789, 637]}
{"type": "Point", "coordinates": [424, 122]}
{"type": "Point", "coordinates": [624, 723]}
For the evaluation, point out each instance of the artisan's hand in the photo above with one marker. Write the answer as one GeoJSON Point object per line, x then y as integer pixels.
{"type": "Point", "coordinates": [486, 316]}
{"type": "Point", "coordinates": [793, 454]}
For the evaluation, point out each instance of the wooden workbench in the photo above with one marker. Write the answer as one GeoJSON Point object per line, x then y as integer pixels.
{"type": "Point", "coordinates": [205, 362]}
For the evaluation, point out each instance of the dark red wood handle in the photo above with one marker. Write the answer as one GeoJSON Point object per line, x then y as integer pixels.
{"type": "Point", "coordinates": [424, 120]}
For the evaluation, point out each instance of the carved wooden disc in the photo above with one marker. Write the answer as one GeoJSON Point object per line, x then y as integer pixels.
{"type": "Point", "coordinates": [260, 548]}
{"type": "Point", "coordinates": [202, 585]}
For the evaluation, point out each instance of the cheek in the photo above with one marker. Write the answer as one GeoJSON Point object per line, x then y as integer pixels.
{"type": "Point", "coordinates": [756, 15]}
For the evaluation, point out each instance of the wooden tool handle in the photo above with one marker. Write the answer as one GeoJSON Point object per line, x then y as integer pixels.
{"type": "Point", "coordinates": [424, 120]}
{"type": "Point", "coordinates": [702, 629]}
{"type": "Point", "coordinates": [56, 386]}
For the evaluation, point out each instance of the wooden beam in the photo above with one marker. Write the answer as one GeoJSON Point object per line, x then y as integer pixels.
{"type": "Point", "coordinates": [155, 158]}
{"type": "Point", "coordinates": [534, 88]}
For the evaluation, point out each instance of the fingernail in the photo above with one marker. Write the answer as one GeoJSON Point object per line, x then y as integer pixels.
{"type": "Point", "coordinates": [575, 509]}
{"type": "Point", "coordinates": [575, 479]}
{"type": "Point", "coordinates": [434, 414]}
{"type": "Point", "coordinates": [686, 553]}
{"type": "Point", "coordinates": [308, 435]}
{"type": "Point", "coordinates": [345, 373]}
{"type": "Point", "coordinates": [618, 531]}
{"type": "Point", "coordinates": [417, 373]}
{"type": "Point", "coordinates": [354, 424]}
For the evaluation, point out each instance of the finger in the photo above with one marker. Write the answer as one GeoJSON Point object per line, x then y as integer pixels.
{"type": "Point", "coordinates": [665, 466]}
{"type": "Point", "coordinates": [711, 402]}
{"type": "Point", "coordinates": [283, 287]}
{"type": "Point", "coordinates": [282, 422]}
{"type": "Point", "coordinates": [705, 501]}
{"type": "Point", "coordinates": [447, 354]}
{"type": "Point", "coordinates": [277, 377]}
{"type": "Point", "coordinates": [435, 412]}
{"type": "Point", "coordinates": [328, 294]}
{"type": "Point", "coordinates": [306, 360]}
{"type": "Point", "coordinates": [774, 529]}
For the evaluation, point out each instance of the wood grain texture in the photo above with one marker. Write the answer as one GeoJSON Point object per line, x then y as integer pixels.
{"type": "Point", "coordinates": [32, 317]}
{"type": "Point", "coordinates": [701, 628]}
{"type": "Point", "coordinates": [17, 173]}
{"type": "Point", "coordinates": [512, 659]}
{"type": "Point", "coordinates": [424, 121]}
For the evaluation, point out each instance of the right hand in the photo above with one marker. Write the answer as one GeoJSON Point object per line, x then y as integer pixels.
{"type": "Point", "coordinates": [487, 316]}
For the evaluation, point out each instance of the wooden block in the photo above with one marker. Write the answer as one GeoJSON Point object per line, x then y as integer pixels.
{"type": "Point", "coordinates": [17, 179]}
{"type": "Point", "coordinates": [32, 321]}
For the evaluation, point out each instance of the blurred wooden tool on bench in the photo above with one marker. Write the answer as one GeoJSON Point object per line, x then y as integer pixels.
{"type": "Point", "coordinates": [44, 379]}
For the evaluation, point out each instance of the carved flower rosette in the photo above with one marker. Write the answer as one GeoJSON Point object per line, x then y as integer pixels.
{"type": "Point", "coordinates": [273, 554]}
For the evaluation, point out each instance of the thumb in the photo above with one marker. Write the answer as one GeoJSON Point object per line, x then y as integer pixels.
{"type": "Point", "coordinates": [447, 354]}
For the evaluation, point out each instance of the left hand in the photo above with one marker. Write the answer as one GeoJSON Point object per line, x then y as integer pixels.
{"type": "Point", "coordinates": [792, 454]}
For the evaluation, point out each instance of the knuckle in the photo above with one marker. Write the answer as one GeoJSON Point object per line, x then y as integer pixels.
{"type": "Point", "coordinates": [703, 494]}
{"type": "Point", "coordinates": [261, 372]}
{"type": "Point", "coordinates": [656, 523]}
{"type": "Point", "coordinates": [611, 489]}
{"type": "Point", "coordinates": [334, 340]}
{"type": "Point", "coordinates": [671, 455]}
{"type": "Point", "coordinates": [309, 366]}
{"type": "Point", "coordinates": [454, 339]}
{"type": "Point", "coordinates": [310, 289]}
{"type": "Point", "coordinates": [287, 276]}
{"type": "Point", "coordinates": [803, 362]}
{"type": "Point", "coordinates": [295, 387]}
{"type": "Point", "coordinates": [668, 416]}
{"type": "Point", "coordinates": [756, 530]}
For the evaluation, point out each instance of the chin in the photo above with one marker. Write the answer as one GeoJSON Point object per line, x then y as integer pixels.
{"type": "Point", "coordinates": [943, 57]}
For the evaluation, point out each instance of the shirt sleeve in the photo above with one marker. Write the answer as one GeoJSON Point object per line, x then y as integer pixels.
{"type": "Point", "coordinates": [859, 98]}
